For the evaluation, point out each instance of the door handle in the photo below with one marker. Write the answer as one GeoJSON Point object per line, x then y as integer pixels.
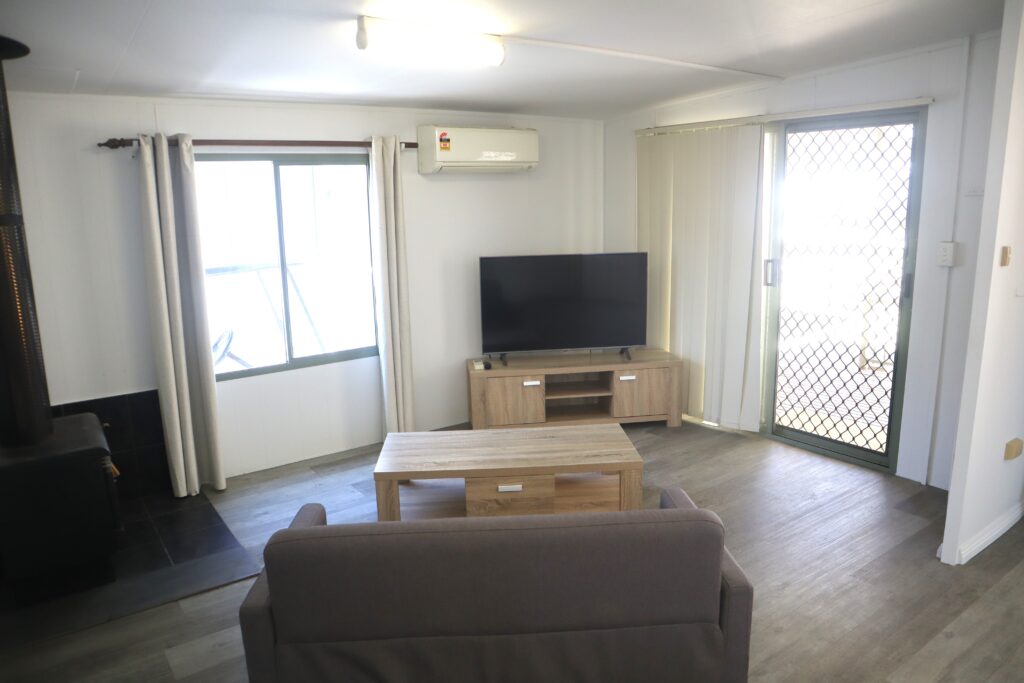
{"type": "Point", "coordinates": [531, 383]}
{"type": "Point", "coordinates": [627, 378]}
{"type": "Point", "coordinates": [769, 278]}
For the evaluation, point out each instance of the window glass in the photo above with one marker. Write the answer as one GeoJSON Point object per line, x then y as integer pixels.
{"type": "Point", "coordinates": [320, 307]}
{"type": "Point", "coordinates": [241, 256]}
{"type": "Point", "coordinates": [327, 250]}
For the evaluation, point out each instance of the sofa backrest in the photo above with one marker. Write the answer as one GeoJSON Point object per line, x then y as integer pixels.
{"type": "Point", "coordinates": [500, 594]}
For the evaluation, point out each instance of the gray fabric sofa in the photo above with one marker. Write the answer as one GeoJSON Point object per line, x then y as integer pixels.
{"type": "Point", "coordinates": [651, 595]}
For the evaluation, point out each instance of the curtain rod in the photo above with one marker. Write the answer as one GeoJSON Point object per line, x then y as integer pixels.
{"type": "Point", "coordinates": [791, 116]}
{"type": "Point", "coordinates": [119, 143]}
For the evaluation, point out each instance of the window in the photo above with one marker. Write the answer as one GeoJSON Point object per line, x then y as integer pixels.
{"type": "Point", "coordinates": [286, 251]}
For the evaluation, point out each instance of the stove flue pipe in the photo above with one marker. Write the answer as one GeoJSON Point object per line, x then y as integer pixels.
{"type": "Point", "coordinates": [25, 414]}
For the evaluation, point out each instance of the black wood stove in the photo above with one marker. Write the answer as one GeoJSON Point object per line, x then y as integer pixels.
{"type": "Point", "coordinates": [58, 504]}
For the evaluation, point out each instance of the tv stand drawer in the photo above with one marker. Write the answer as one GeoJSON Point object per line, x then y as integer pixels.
{"type": "Point", "coordinates": [640, 392]}
{"type": "Point", "coordinates": [514, 400]}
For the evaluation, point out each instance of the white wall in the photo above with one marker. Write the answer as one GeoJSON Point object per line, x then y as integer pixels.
{"type": "Point", "coordinates": [958, 76]}
{"type": "Point", "coordinates": [966, 231]}
{"type": "Point", "coordinates": [83, 222]}
{"type": "Point", "coordinates": [987, 496]}
{"type": "Point", "coordinates": [268, 420]}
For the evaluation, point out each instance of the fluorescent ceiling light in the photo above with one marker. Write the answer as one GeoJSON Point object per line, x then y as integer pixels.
{"type": "Point", "coordinates": [419, 45]}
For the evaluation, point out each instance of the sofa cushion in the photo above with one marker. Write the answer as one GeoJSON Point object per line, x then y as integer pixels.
{"type": "Point", "coordinates": [494, 577]}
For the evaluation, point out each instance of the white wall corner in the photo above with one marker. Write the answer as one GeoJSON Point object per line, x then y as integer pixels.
{"type": "Point", "coordinates": [996, 528]}
{"type": "Point", "coordinates": [981, 486]}
{"type": "Point", "coordinates": [943, 143]}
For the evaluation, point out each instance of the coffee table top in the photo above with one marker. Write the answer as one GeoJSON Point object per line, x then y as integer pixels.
{"type": "Point", "coordinates": [500, 452]}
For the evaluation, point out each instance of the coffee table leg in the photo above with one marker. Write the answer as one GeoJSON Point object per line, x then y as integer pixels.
{"type": "Point", "coordinates": [631, 490]}
{"type": "Point", "coordinates": [388, 505]}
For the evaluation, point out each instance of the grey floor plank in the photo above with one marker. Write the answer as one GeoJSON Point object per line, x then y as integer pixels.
{"type": "Point", "coordinates": [201, 654]}
{"type": "Point", "coordinates": [847, 586]}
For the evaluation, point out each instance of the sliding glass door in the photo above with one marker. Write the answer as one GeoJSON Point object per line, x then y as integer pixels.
{"type": "Point", "coordinates": [841, 281]}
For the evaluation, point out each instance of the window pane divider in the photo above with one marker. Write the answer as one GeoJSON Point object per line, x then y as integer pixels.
{"type": "Point", "coordinates": [290, 351]}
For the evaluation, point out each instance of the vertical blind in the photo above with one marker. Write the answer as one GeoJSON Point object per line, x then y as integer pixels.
{"type": "Point", "coordinates": [698, 217]}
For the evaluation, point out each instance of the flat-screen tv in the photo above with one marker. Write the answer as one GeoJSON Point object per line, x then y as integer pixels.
{"type": "Point", "coordinates": [563, 301]}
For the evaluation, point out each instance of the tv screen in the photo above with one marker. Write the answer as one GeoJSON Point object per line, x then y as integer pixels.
{"type": "Point", "coordinates": [564, 301]}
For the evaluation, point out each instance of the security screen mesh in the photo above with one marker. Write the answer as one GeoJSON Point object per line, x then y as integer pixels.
{"type": "Point", "coordinates": [846, 196]}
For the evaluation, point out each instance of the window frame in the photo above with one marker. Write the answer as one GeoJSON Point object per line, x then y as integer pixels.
{"type": "Point", "coordinates": [279, 160]}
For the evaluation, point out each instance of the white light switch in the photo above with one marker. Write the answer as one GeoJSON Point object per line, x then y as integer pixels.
{"type": "Point", "coordinates": [947, 254]}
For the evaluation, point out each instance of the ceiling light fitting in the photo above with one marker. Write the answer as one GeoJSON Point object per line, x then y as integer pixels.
{"type": "Point", "coordinates": [427, 46]}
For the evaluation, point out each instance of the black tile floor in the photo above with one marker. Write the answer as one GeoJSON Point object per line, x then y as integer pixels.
{"type": "Point", "coordinates": [161, 531]}
{"type": "Point", "coordinates": [168, 548]}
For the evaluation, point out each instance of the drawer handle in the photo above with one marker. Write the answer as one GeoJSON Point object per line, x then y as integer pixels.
{"type": "Point", "coordinates": [627, 378]}
{"type": "Point", "coordinates": [531, 383]}
{"type": "Point", "coordinates": [510, 488]}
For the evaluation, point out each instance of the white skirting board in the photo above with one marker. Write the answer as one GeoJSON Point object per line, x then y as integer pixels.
{"type": "Point", "coordinates": [999, 526]}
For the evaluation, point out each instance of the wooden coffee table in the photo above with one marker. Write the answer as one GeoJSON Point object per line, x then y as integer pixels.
{"type": "Point", "coordinates": [512, 471]}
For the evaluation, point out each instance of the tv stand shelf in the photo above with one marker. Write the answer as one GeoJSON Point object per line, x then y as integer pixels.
{"type": "Point", "coordinates": [576, 388]}
{"type": "Point", "coordinates": [581, 389]}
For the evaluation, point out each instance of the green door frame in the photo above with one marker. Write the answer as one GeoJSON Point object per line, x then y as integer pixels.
{"type": "Point", "coordinates": [918, 117]}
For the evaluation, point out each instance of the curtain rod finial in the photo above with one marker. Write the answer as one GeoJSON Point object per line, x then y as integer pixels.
{"type": "Point", "coordinates": [117, 143]}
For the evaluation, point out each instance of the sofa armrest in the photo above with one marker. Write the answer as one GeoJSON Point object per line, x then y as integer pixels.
{"type": "Point", "coordinates": [257, 622]}
{"type": "Point", "coordinates": [310, 514]}
{"type": "Point", "coordinates": [737, 600]}
{"type": "Point", "coordinates": [675, 497]}
{"type": "Point", "coordinates": [257, 619]}
{"type": "Point", "coordinates": [735, 613]}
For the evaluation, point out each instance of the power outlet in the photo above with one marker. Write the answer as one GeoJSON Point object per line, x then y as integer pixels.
{"type": "Point", "coordinates": [1014, 448]}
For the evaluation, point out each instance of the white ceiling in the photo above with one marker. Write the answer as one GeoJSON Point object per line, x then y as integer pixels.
{"type": "Point", "coordinates": [305, 49]}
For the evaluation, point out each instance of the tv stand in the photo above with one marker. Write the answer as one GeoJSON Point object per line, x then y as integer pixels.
{"type": "Point", "coordinates": [577, 388]}
{"type": "Point", "coordinates": [624, 352]}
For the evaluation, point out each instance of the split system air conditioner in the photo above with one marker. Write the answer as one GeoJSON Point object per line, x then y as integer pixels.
{"type": "Point", "coordinates": [477, 150]}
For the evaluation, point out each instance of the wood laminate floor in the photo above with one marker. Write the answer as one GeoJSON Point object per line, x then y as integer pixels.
{"type": "Point", "coordinates": [847, 587]}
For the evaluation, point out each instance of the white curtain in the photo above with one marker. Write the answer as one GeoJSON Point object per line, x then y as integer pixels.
{"type": "Point", "coordinates": [391, 287]}
{"type": "Point", "coordinates": [178, 324]}
{"type": "Point", "coordinates": [698, 217]}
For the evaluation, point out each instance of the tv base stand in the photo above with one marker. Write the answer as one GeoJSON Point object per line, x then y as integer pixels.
{"type": "Point", "coordinates": [577, 388]}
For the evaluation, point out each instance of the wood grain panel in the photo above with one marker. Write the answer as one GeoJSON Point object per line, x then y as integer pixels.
{"type": "Point", "coordinates": [597, 361]}
{"type": "Point", "coordinates": [647, 394]}
{"type": "Point", "coordinates": [675, 396]}
{"type": "Point", "coordinates": [631, 490]}
{"type": "Point", "coordinates": [514, 400]}
{"type": "Point", "coordinates": [537, 496]}
{"type": "Point", "coordinates": [477, 406]}
{"type": "Point", "coordinates": [497, 399]}
{"type": "Point", "coordinates": [388, 503]}
{"type": "Point", "coordinates": [500, 452]}
{"type": "Point", "coordinates": [588, 417]}
{"type": "Point", "coordinates": [586, 492]}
